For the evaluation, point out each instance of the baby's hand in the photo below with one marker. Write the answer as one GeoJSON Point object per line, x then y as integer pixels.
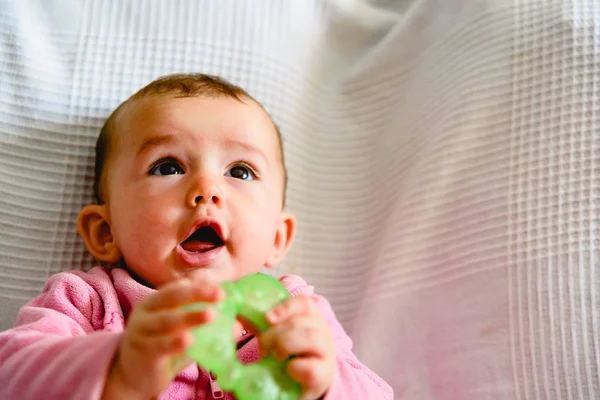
{"type": "Point", "coordinates": [300, 330]}
{"type": "Point", "coordinates": [152, 349]}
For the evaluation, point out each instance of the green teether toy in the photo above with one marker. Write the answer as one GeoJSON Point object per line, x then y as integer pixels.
{"type": "Point", "coordinates": [214, 346]}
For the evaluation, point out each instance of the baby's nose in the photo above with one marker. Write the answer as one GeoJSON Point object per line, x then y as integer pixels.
{"type": "Point", "coordinates": [213, 198]}
{"type": "Point", "coordinates": [204, 191]}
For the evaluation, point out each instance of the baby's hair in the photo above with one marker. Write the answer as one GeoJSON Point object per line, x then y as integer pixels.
{"type": "Point", "coordinates": [178, 85]}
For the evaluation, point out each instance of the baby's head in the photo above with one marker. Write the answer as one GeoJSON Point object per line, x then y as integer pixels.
{"type": "Point", "coordinates": [190, 176]}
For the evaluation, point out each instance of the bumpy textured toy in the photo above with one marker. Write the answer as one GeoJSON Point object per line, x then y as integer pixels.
{"type": "Point", "coordinates": [214, 346]}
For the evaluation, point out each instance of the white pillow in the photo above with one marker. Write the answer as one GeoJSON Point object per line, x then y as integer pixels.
{"type": "Point", "coordinates": [444, 161]}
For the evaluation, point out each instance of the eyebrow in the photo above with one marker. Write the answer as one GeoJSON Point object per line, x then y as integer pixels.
{"type": "Point", "coordinates": [248, 147]}
{"type": "Point", "coordinates": [162, 139]}
{"type": "Point", "coordinates": [155, 141]}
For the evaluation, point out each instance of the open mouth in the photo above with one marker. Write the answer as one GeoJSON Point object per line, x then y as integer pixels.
{"type": "Point", "coordinates": [203, 239]}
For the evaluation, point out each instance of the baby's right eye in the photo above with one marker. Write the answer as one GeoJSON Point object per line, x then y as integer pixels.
{"type": "Point", "coordinates": [166, 167]}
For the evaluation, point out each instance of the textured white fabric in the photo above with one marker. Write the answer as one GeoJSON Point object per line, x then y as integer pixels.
{"type": "Point", "coordinates": [444, 163]}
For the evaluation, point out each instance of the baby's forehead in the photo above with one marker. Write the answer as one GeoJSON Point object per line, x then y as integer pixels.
{"type": "Point", "coordinates": [154, 110]}
{"type": "Point", "coordinates": [153, 105]}
{"type": "Point", "coordinates": [122, 123]}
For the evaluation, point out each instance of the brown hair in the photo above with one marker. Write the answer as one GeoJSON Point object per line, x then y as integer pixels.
{"type": "Point", "coordinates": [179, 85]}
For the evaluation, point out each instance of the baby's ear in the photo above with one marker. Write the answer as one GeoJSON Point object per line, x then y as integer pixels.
{"type": "Point", "coordinates": [286, 231]}
{"type": "Point", "coordinates": [94, 227]}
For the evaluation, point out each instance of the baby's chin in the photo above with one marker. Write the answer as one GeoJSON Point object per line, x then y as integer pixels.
{"type": "Point", "coordinates": [207, 274]}
{"type": "Point", "coordinates": [215, 274]}
{"type": "Point", "coordinates": [221, 273]}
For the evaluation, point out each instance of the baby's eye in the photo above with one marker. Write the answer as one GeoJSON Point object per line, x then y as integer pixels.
{"type": "Point", "coordinates": [166, 167]}
{"type": "Point", "coordinates": [241, 172]}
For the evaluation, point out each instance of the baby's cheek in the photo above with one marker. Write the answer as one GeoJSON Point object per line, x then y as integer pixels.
{"type": "Point", "coordinates": [143, 232]}
{"type": "Point", "coordinates": [151, 214]}
{"type": "Point", "coordinates": [155, 223]}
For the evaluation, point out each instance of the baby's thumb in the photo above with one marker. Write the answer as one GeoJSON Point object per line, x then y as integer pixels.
{"type": "Point", "coordinates": [179, 362]}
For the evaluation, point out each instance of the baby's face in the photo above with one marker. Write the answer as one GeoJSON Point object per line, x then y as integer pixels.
{"type": "Point", "coordinates": [194, 184]}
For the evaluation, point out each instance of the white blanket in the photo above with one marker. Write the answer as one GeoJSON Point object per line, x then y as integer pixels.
{"type": "Point", "coordinates": [444, 160]}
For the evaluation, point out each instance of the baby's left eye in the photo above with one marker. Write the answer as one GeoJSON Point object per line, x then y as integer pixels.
{"type": "Point", "coordinates": [166, 167]}
{"type": "Point", "coordinates": [241, 172]}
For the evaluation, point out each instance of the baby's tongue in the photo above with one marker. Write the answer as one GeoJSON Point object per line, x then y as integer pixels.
{"type": "Point", "coordinates": [196, 246]}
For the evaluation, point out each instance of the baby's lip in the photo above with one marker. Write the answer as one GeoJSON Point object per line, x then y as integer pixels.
{"type": "Point", "coordinates": [193, 260]}
{"type": "Point", "coordinates": [204, 223]}
{"type": "Point", "coordinates": [193, 252]}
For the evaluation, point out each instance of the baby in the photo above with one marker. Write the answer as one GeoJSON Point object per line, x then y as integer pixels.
{"type": "Point", "coordinates": [190, 187]}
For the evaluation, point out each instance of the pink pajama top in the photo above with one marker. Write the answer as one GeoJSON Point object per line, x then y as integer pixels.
{"type": "Point", "coordinates": [65, 340]}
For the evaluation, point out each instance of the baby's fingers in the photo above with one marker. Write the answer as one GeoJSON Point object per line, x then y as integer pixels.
{"type": "Point", "coordinates": [298, 336]}
{"type": "Point", "coordinates": [165, 344]}
{"type": "Point", "coordinates": [299, 305]}
{"type": "Point", "coordinates": [182, 292]}
{"type": "Point", "coordinates": [313, 375]}
{"type": "Point", "coordinates": [168, 321]}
